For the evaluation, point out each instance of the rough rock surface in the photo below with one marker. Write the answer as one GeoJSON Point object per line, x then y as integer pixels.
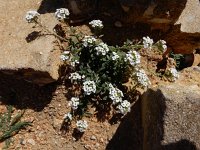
{"type": "Point", "coordinates": [171, 117]}
{"type": "Point", "coordinates": [176, 20]}
{"type": "Point", "coordinates": [21, 54]}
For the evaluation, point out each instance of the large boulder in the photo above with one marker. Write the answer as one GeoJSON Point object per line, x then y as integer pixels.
{"type": "Point", "coordinates": [176, 20]}
{"type": "Point", "coordinates": [34, 58]}
{"type": "Point", "coordinates": [171, 117]}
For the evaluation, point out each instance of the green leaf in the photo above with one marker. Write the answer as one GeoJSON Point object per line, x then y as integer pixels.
{"type": "Point", "coordinates": [14, 129]}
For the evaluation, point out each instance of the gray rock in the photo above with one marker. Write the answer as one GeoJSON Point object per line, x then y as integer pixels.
{"type": "Point", "coordinates": [36, 60]}
{"type": "Point", "coordinates": [171, 117]}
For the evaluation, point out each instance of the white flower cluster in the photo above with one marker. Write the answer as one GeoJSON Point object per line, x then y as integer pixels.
{"type": "Point", "coordinates": [74, 62]}
{"type": "Point", "coordinates": [67, 117]}
{"type": "Point", "coordinates": [64, 56]}
{"type": "Point", "coordinates": [62, 13]}
{"type": "Point", "coordinates": [115, 56]}
{"type": "Point", "coordinates": [124, 107]}
{"type": "Point", "coordinates": [74, 103]}
{"type": "Point", "coordinates": [88, 41]}
{"type": "Point", "coordinates": [96, 24]}
{"type": "Point", "coordinates": [75, 76]}
{"type": "Point", "coordinates": [102, 48]}
{"type": "Point", "coordinates": [115, 94]}
{"type": "Point", "coordinates": [142, 78]}
{"type": "Point", "coordinates": [172, 73]}
{"type": "Point", "coordinates": [133, 57]}
{"type": "Point", "coordinates": [32, 16]}
{"type": "Point", "coordinates": [81, 125]}
{"type": "Point", "coordinates": [147, 42]}
{"type": "Point", "coordinates": [163, 45]}
{"type": "Point", "coordinates": [89, 87]}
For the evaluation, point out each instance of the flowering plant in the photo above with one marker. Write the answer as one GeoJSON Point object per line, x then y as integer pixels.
{"type": "Point", "coordinates": [32, 16]}
{"type": "Point", "coordinates": [105, 69]}
{"type": "Point", "coordinates": [62, 14]}
{"type": "Point", "coordinates": [98, 71]}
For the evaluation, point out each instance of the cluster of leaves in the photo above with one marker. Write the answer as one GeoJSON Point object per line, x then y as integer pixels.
{"type": "Point", "coordinates": [9, 125]}
{"type": "Point", "coordinates": [179, 59]}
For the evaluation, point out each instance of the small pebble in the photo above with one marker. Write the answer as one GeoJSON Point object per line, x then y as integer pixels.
{"type": "Point", "coordinates": [93, 137]}
{"type": "Point", "coordinates": [101, 139]}
{"type": "Point", "coordinates": [88, 147]}
{"type": "Point", "coordinates": [22, 142]}
{"type": "Point", "coordinates": [31, 141]}
{"type": "Point", "coordinates": [97, 144]}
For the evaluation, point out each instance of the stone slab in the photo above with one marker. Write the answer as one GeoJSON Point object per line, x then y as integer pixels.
{"type": "Point", "coordinates": [171, 117]}
{"type": "Point", "coordinates": [36, 60]}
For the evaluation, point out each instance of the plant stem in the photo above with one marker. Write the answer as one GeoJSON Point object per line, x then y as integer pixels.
{"type": "Point", "coordinates": [50, 32]}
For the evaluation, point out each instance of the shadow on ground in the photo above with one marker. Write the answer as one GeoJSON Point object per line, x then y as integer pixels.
{"type": "Point", "coordinates": [22, 94]}
{"type": "Point", "coordinates": [129, 133]}
{"type": "Point", "coordinates": [49, 6]}
{"type": "Point", "coordinates": [180, 145]}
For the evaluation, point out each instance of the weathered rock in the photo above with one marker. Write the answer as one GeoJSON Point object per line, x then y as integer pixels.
{"type": "Point", "coordinates": [171, 117]}
{"type": "Point", "coordinates": [30, 57]}
{"type": "Point", "coordinates": [177, 20]}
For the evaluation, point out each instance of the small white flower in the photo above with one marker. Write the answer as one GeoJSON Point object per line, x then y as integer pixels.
{"type": "Point", "coordinates": [66, 52]}
{"type": "Point", "coordinates": [96, 24]}
{"type": "Point", "coordinates": [74, 103]}
{"type": "Point", "coordinates": [73, 62]}
{"type": "Point", "coordinates": [67, 117]}
{"type": "Point", "coordinates": [83, 76]}
{"type": "Point", "coordinates": [89, 41]}
{"type": "Point", "coordinates": [64, 57]}
{"type": "Point", "coordinates": [147, 42]}
{"type": "Point", "coordinates": [133, 57]}
{"type": "Point", "coordinates": [172, 73]}
{"type": "Point", "coordinates": [142, 78]}
{"type": "Point", "coordinates": [162, 45]}
{"type": "Point", "coordinates": [32, 16]}
{"type": "Point", "coordinates": [124, 107]}
{"type": "Point", "coordinates": [163, 42]}
{"type": "Point", "coordinates": [102, 48]}
{"type": "Point", "coordinates": [75, 76]}
{"type": "Point", "coordinates": [115, 56]}
{"type": "Point", "coordinates": [62, 13]}
{"type": "Point", "coordinates": [115, 94]}
{"type": "Point", "coordinates": [89, 87]}
{"type": "Point", "coordinates": [81, 125]}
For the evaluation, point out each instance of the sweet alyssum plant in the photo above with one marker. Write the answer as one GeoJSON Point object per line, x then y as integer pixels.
{"type": "Point", "coordinates": [98, 71]}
